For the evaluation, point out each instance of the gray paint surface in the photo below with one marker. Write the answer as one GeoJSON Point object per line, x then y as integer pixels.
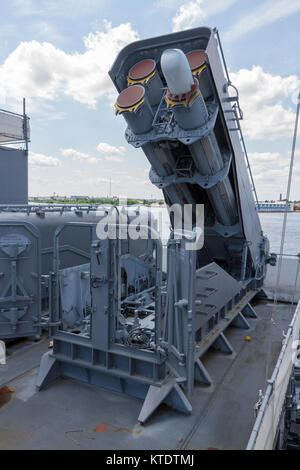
{"type": "Point", "coordinates": [66, 414]}
{"type": "Point", "coordinates": [13, 176]}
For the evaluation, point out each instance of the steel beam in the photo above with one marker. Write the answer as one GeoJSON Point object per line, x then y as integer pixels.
{"type": "Point", "coordinates": [201, 374]}
{"type": "Point", "coordinates": [249, 311]}
{"type": "Point", "coordinates": [170, 393]}
{"type": "Point", "coordinates": [222, 344]}
{"type": "Point", "coordinates": [240, 322]}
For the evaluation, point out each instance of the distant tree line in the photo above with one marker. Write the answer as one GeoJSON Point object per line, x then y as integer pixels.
{"type": "Point", "coordinates": [100, 201]}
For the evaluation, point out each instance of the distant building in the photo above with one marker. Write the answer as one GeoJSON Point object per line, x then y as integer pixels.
{"type": "Point", "coordinates": [275, 206]}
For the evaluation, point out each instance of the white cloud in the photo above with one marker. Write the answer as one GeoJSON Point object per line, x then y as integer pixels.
{"type": "Point", "coordinates": [262, 97]}
{"type": "Point", "coordinates": [111, 153]}
{"type": "Point", "coordinates": [70, 179]}
{"type": "Point", "coordinates": [192, 14]}
{"type": "Point", "coordinates": [271, 177]}
{"type": "Point", "coordinates": [189, 14]}
{"type": "Point", "coordinates": [40, 70]}
{"type": "Point", "coordinates": [270, 172]}
{"type": "Point", "coordinates": [268, 12]}
{"type": "Point", "coordinates": [103, 180]}
{"type": "Point", "coordinates": [38, 159]}
{"type": "Point", "coordinates": [78, 156]}
{"type": "Point", "coordinates": [262, 158]}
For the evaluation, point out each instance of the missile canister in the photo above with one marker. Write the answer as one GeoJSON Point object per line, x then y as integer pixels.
{"type": "Point", "coordinates": [197, 61]}
{"type": "Point", "coordinates": [183, 94]}
{"type": "Point", "coordinates": [132, 103]}
{"type": "Point", "coordinates": [145, 73]}
{"type": "Point", "coordinates": [190, 111]}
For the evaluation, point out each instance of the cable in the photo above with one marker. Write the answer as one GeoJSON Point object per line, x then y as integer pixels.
{"type": "Point", "coordinates": [139, 338]}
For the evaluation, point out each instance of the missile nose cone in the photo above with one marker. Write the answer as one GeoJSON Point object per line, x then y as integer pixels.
{"type": "Point", "coordinates": [177, 71]}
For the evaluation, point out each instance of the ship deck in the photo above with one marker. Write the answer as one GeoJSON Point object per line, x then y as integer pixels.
{"type": "Point", "coordinates": [73, 415]}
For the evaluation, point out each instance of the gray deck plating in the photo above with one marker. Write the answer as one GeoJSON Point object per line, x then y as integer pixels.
{"type": "Point", "coordinates": [67, 413]}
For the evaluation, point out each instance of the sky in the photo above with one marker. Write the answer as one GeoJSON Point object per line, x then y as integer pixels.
{"type": "Point", "coordinates": [57, 55]}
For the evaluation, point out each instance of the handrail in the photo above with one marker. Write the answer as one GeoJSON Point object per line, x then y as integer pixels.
{"type": "Point", "coordinates": [270, 387]}
{"type": "Point", "coordinates": [237, 117]}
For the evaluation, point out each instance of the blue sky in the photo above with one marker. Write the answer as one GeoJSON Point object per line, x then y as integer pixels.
{"type": "Point", "coordinates": [57, 55]}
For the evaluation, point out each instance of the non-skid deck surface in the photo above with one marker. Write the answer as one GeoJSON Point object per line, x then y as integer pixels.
{"type": "Point", "coordinates": [72, 415]}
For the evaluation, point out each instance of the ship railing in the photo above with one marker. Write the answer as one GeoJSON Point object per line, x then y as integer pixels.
{"type": "Point", "coordinates": [265, 431]}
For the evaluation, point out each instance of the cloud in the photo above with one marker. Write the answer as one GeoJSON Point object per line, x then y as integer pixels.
{"type": "Point", "coordinates": [261, 158]}
{"type": "Point", "coordinates": [188, 16]}
{"type": "Point", "coordinates": [270, 173]}
{"type": "Point", "coordinates": [45, 111]}
{"type": "Point", "coordinates": [111, 153]}
{"type": "Point", "coordinates": [192, 14]}
{"type": "Point", "coordinates": [42, 71]}
{"type": "Point", "coordinates": [103, 180]}
{"type": "Point", "coordinates": [78, 156]}
{"type": "Point", "coordinates": [262, 97]}
{"type": "Point", "coordinates": [268, 12]}
{"type": "Point", "coordinates": [38, 159]}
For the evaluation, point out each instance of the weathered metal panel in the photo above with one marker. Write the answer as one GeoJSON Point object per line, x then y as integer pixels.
{"type": "Point", "coordinates": [20, 288]}
{"type": "Point", "coordinates": [13, 176]}
{"type": "Point", "coordinates": [12, 127]}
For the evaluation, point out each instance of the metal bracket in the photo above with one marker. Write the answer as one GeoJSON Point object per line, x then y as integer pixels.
{"type": "Point", "coordinates": [170, 393]}
{"type": "Point", "coordinates": [240, 322]}
{"type": "Point", "coordinates": [97, 281]}
{"type": "Point", "coordinates": [227, 231]}
{"type": "Point", "coordinates": [222, 344]}
{"type": "Point", "coordinates": [13, 315]}
{"type": "Point", "coordinates": [249, 311]}
{"type": "Point", "coordinates": [201, 374]}
{"type": "Point", "coordinates": [175, 132]}
{"type": "Point", "coordinates": [205, 182]}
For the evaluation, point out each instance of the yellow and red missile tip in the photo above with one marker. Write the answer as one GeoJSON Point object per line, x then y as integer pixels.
{"type": "Point", "coordinates": [131, 96]}
{"type": "Point", "coordinates": [196, 59]}
{"type": "Point", "coordinates": [142, 69]}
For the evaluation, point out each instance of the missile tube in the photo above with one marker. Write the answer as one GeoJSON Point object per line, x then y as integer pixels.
{"type": "Point", "coordinates": [191, 112]}
{"type": "Point", "coordinates": [145, 73]}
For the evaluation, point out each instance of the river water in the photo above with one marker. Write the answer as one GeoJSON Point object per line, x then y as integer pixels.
{"type": "Point", "coordinates": [271, 224]}
{"type": "Point", "coordinates": [272, 227]}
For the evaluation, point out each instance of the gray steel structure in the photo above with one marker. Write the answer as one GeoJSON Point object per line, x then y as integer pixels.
{"type": "Point", "coordinates": [26, 258]}
{"type": "Point", "coordinates": [224, 152]}
{"type": "Point", "coordinates": [194, 149]}
{"type": "Point", "coordinates": [13, 176]}
{"type": "Point", "coordinates": [291, 412]}
{"type": "Point", "coordinates": [29, 232]}
{"type": "Point", "coordinates": [14, 129]}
